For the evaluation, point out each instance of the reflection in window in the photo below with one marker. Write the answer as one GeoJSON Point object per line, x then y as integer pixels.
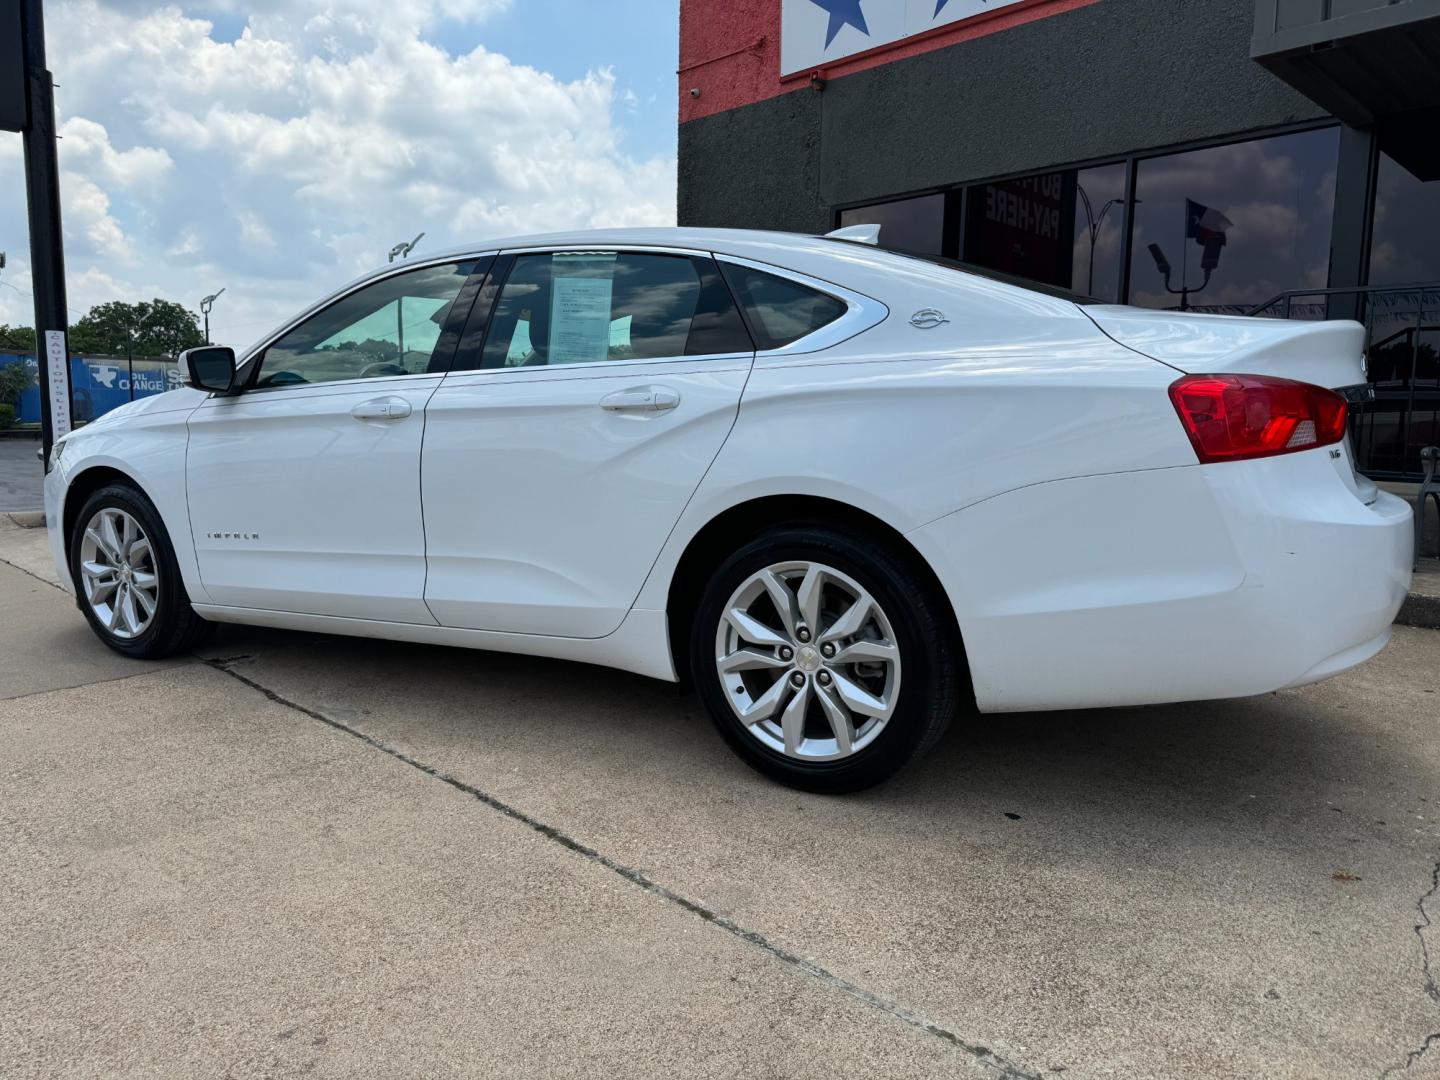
{"type": "Point", "coordinates": [1061, 228]}
{"type": "Point", "coordinates": [1404, 366]}
{"type": "Point", "coordinates": [382, 330]}
{"type": "Point", "coordinates": [916, 225]}
{"type": "Point", "coordinates": [1404, 325]}
{"type": "Point", "coordinates": [781, 311]}
{"type": "Point", "coordinates": [591, 307]}
{"type": "Point", "coordinates": [1406, 245]}
{"type": "Point", "coordinates": [1234, 225]}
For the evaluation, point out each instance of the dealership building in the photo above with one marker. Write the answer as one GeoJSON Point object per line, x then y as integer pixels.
{"type": "Point", "coordinates": [1278, 158]}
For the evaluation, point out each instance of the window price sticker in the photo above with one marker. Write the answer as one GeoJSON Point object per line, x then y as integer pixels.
{"type": "Point", "coordinates": [57, 370]}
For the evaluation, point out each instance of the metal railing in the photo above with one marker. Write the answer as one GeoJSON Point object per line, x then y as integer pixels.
{"type": "Point", "coordinates": [1402, 359]}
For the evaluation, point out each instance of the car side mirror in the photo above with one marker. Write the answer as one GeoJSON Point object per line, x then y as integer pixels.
{"type": "Point", "coordinates": [211, 368]}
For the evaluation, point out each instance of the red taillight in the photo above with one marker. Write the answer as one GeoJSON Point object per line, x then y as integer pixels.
{"type": "Point", "coordinates": [1233, 417]}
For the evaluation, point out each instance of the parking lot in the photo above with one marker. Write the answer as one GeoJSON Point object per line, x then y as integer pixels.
{"type": "Point", "coordinates": [21, 481]}
{"type": "Point", "coordinates": [308, 855]}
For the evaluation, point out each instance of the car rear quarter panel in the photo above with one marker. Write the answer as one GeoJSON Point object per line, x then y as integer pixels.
{"type": "Point", "coordinates": [1213, 581]}
{"type": "Point", "coordinates": [911, 425]}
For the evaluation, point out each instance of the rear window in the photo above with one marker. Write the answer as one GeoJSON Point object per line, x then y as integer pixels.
{"type": "Point", "coordinates": [780, 311]}
{"type": "Point", "coordinates": [981, 271]}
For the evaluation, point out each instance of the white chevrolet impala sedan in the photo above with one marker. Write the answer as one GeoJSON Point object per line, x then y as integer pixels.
{"type": "Point", "coordinates": [847, 493]}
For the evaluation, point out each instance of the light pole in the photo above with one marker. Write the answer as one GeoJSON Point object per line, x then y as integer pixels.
{"type": "Point", "coordinates": [1096, 222]}
{"type": "Point", "coordinates": [1209, 262]}
{"type": "Point", "coordinates": [402, 251]}
{"type": "Point", "coordinates": [27, 105]}
{"type": "Point", "coordinates": [205, 306]}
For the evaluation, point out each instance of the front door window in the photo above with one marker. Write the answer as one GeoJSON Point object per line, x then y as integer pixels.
{"type": "Point", "coordinates": [383, 330]}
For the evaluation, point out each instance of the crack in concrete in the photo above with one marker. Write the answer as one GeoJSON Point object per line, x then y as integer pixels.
{"type": "Point", "coordinates": [982, 1055]}
{"type": "Point", "coordinates": [37, 577]}
{"type": "Point", "coordinates": [1432, 989]}
{"type": "Point", "coordinates": [153, 668]}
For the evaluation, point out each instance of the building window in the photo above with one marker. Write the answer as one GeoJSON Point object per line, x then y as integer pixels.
{"type": "Point", "coordinates": [916, 225]}
{"type": "Point", "coordinates": [1404, 325]}
{"type": "Point", "coordinates": [1234, 225]}
{"type": "Point", "coordinates": [1061, 228]}
{"type": "Point", "coordinates": [1406, 245]}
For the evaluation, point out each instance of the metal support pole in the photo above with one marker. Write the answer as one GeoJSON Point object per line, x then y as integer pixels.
{"type": "Point", "coordinates": [1351, 227]}
{"type": "Point", "coordinates": [47, 254]}
{"type": "Point", "coordinates": [206, 303]}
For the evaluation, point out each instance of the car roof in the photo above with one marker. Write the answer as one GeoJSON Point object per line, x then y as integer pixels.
{"type": "Point", "coordinates": [730, 241]}
{"type": "Point", "coordinates": [844, 263]}
{"type": "Point", "coordinates": [800, 252]}
{"type": "Point", "coordinates": [841, 261]}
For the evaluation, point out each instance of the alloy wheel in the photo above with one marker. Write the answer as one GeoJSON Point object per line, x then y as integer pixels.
{"type": "Point", "coordinates": [118, 573]}
{"type": "Point", "coordinates": [808, 661]}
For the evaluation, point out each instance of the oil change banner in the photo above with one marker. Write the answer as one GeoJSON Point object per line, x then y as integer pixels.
{"type": "Point", "coordinates": [816, 32]}
{"type": "Point", "coordinates": [98, 384]}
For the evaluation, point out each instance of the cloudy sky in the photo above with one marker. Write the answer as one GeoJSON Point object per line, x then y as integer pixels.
{"type": "Point", "coordinates": [280, 147]}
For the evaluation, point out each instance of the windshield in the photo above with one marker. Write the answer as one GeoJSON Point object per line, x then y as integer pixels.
{"type": "Point", "coordinates": [979, 271]}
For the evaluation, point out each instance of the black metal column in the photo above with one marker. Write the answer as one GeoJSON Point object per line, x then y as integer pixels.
{"type": "Point", "coordinates": [1351, 224]}
{"type": "Point", "coordinates": [42, 175]}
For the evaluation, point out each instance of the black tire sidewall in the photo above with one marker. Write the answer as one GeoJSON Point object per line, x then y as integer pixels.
{"type": "Point", "coordinates": [174, 605]}
{"type": "Point", "coordinates": [926, 679]}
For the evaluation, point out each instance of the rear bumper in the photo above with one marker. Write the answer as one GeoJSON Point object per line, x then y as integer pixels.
{"type": "Point", "coordinates": [1210, 581]}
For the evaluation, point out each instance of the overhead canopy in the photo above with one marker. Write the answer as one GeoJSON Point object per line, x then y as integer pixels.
{"type": "Point", "coordinates": [1371, 63]}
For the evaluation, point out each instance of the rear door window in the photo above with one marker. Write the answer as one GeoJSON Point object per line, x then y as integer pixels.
{"type": "Point", "coordinates": [559, 308]}
{"type": "Point", "coordinates": [780, 311]}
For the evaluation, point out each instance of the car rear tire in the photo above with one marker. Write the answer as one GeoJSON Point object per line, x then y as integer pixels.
{"type": "Point", "coordinates": [824, 658]}
{"type": "Point", "coordinates": [126, 579]}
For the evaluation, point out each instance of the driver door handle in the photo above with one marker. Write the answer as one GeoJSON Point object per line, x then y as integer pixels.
{"type": "Point", "coordinates": [386, 408]}
{"type": "Point", "coordinates": [641, 399]}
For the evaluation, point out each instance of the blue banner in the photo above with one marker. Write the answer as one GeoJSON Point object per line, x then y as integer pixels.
{"type": "Point", "coordinates": [97, 385]}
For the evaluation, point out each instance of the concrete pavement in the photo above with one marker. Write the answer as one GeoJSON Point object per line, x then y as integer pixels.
{"type": "Point", "coordinates": [22, 482]}
{"type": "Point", "coordinates": [338, 857]}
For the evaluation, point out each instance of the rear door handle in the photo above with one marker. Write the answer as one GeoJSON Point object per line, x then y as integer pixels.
{"type": "Point", "coordinates": [387, 408]}
{"type": "Point", "coordinates": [641, 399]}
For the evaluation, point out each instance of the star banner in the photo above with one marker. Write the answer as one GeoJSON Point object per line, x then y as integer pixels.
{"type": "Point", "coordinates": [816, 32]}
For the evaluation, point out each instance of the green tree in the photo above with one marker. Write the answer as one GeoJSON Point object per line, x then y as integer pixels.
{"type": "Point", "coordinates": [15, 379]}
{"type": "Point", "coordinates": [106, 328]}
{"type": "Point", "coordinates": [150, 328]}
{"type": "Point", "coordinates": [169, 328]}
{"type": "Point", "coordinates": [17, 338]}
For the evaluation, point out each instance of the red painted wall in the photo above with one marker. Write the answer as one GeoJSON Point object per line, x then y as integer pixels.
{"type": "Point", "coordinates": [730, 49]}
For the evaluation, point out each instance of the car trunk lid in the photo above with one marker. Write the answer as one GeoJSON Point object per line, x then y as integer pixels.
{"type": "Point", "coordinates": [1329, 354]}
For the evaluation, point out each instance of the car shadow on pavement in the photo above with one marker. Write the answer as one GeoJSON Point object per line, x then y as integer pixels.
{"type": "Point", "coordinates": [1257, 778]}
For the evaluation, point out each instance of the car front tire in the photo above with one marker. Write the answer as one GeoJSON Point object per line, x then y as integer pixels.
{"type": "Point", "coordinates": [824, 658]}
{"type": "Point", "coordinates": [126, 578]}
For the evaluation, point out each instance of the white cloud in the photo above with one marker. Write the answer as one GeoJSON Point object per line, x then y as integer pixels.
{"type": "Point", "coordinates": [85, 146]}
{"type": "Point", "coordinates": [285, 162]}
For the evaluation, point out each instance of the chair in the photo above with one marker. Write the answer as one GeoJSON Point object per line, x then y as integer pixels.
{"type": "Point", "coordinates": [1429, 488]}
